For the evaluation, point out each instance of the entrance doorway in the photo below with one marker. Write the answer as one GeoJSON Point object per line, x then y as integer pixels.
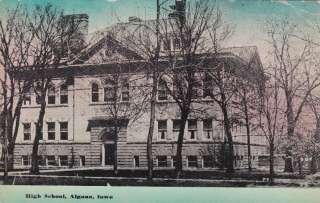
{"type": "Point", "coordinates": [109, 154]}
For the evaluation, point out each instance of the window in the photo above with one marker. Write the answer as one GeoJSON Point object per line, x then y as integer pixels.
{"type": "Point", "coordinates": [51, 131]}
{"type": "Point", "coordinates": [64, 130]}
{"type": "Point", "coordinates": [167, 45]}
{"type": "Point", "coordinates": [27, 98]}
{"type": "Point", "coordinates": [27, 131]}
{"type": "Point", "coordinates": [162, 129]}
{"type": "Point", "coordinates": [177, 43]}
{"type": "Point", "coordinates": [51, 161]}
{"type": "Point", "coordinates": [25, 160]}
{"type": "Point", "coordinates": [162, 91]}
{"type": "Point", "coordinates": [162, 161]}
{"type": "Point", "coordinates": [41, 133]}
{"type": "Point", "coordinates": [41, 160]}
{"type": "Point", "coordinates": [136, 161]}
{"type": "Point", "coordinates": [51, 95]}
{"type": "Point", "coordinates": [94, 92]}
{"type": "Point", "coordinates": [64, 94]}
{"type": "Point", "coordinates": [192, 129]}
{"type": "Point", "coordinates": [176, 128]}
{"type": "Point", "coordinates": [38, 100]}
{"type": "Point", "coordinates": [82, 160]}
{"type": "Point", "coordinates": [173, 161]}
{"type": "Point", "coordinates": [207, 128]}
{"type": "Point", "coordinates": [207, 86]}
{"type": "Point", "coordinates": [192, 161]}
{"type": "Point", "coordinates": [125, 95]}
{"type": "Point", "coordinates": [196, 89]}
{"type": "Point", "coordinates": [175, 90]}
{"type": "Point", "coordinates": [63, 160]}
{"type": "Point", "coordinates": [208, 161]}
{"type": "Point", "coordinates": [110, 92]}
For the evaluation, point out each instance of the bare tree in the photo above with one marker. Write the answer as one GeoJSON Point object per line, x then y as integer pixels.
{"type": "Point", "coordinates": [314, 144]}
{"type": "Point", "coordinates": [47, 25]}
{"type": "Point", "coordinates": [297, 76]}
{"type": "Point", "coordinates": [189, 32]}
{"type": "Point", "coordinates": [246, 107]}
{"type": "Point", "coordinates": [271, 117]}
{"type": "Point", "coordinates": [14, 52]}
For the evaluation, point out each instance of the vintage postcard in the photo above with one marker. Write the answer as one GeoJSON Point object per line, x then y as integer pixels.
{"type": "Point", "coordinates": [159, 100]}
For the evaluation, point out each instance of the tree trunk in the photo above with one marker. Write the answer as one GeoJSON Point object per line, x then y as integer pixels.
{"type": "Point", "coordinates": [230, 155]}
{"type": "Point", "coordinates": [271, 164]}
{"type": "Point", "coordinates": [288, 165]}
{"type": "Point", "coordinates": [184, 117]}
{"type": "Point", "coordinates": [10, 154]}
{"type": "Point", "coordinates": [151, 127]}
{"type": "Point", "coordinates": [39, 126]}
{"type": "Point", "coordinates": [248, 136]}
{"type": "Point", "coordinates": [115, 164]}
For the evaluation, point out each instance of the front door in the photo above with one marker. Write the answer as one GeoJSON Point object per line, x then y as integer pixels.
{"type": "Point", "coordinates": [109, 154]}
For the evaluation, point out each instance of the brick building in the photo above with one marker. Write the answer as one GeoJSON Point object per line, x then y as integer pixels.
{"type": "Point", "coordinates": [77, 123]}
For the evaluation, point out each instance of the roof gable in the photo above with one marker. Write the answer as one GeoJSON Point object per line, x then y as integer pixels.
{"type": "Point", "coordinates": [106, 50]}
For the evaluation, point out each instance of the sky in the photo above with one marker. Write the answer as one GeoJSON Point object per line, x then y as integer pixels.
{"type": "Point", "coordinates": [247, 16]}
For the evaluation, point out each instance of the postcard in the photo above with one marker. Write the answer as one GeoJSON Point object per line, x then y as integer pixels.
{"type": "Point", "coordinates": [159, 100]}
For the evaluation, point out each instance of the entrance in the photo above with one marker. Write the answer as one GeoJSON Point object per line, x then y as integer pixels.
{"type": "Point", "coordinates": [109, 154]}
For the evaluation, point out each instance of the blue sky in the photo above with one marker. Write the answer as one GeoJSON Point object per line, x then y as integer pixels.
{"type": "Point", "coordinates": [248, 16]}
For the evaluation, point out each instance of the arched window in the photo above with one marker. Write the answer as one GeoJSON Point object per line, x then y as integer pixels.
{"type": "Point", "coordinates": [51, 94]}
{"type": "Point", "coordinates": [94, 92]}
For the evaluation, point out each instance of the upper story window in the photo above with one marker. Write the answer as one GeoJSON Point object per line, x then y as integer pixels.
{"type": "Point", "coordinates": [64, 94]}
{"type": "Point", "coordinates": [195, 93]}
{"type": "Point", "coordinates": [51, 131]}
{"type": "Point", "coordinates": [207, 128]}
{"type": "Point", "coordinates": [192, 129]}
{"type": "Point", "coordinates": [64, 130]}
{"type": "Point", "coordinates": [171, 44]}
{"type": "Point", "coordinates": [162, 90]}
{"type": "Point", "coordinates": [51, 95]}
{"type": "Point", "coordinates": [176, 43]}
{"type": "Point", "coordinates": [27, 131]}
{"type": "Point", "coordinates": [110, 91]}
{"type": "Point", "coordinates": [207, 87]}
{"type": "Point", "coordinates": [27, 97]}
{"type": "Point", "coordinates": [94, 92]}
{"type": "Point", "coordinates": [167, 45]}
{"type": "Point", "coordinates": [162, 129]}
{"type": "Point", "coordinates": [125, 90]}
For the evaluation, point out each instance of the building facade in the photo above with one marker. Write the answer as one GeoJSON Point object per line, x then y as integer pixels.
{"type": "Point", "coordinates": [78, 122]}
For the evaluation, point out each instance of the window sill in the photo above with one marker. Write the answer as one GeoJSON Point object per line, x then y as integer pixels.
{"type": "Point", "coordinates": [107, 103]}
{"type": "Point", "coordinates": [200, 99]}
{"type": "Point", "coordinates": [48, 106]}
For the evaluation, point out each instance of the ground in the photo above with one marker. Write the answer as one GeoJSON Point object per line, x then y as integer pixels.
{"type": "Point", "coordinates": [212, 178]}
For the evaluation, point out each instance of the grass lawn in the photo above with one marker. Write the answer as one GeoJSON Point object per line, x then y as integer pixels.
{"type": "Point", "coordinates": [103, 177]}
